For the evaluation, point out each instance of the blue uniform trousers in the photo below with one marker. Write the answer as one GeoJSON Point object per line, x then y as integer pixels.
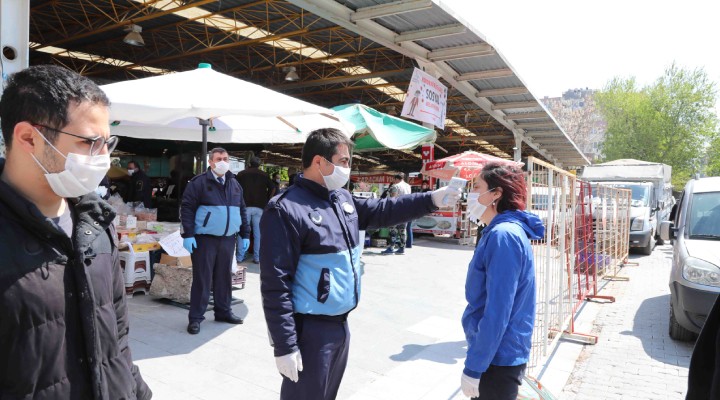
{"type": "Point", "coordinates": [211, 269]}
{"type": "Point", "coordinates": [324, 347]}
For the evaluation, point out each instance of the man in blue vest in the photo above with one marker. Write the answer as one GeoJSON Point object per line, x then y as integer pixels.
{"type": "Point", "coordinates": [309, 263]}
{"type": "Point", "coordinates": [212, 214]}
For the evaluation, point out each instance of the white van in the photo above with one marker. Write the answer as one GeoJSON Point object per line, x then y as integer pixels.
{"type": "Point", "coordinates": [695, 274]}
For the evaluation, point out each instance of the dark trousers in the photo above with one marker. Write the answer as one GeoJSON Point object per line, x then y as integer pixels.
{"type": "Point", "coordinates": [211, 269]}
{"type": "Point", "coordinates": [501, 383]}
{"type": "Point", "coordinates": [409, 234]}
{"type": "Point", "coordinates": [324, 347]}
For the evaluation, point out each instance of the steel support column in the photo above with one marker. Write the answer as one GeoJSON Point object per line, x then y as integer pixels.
{"type": "Point", "coordinates": [14, 37]}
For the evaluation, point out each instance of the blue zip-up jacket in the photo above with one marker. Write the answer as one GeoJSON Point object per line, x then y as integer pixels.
{"type": "Point", "coordinates": [310, 251]}
{"type": "Point", "coordinates": [500, 291]}
{"type": "Point", "coordinates": [209, 208]}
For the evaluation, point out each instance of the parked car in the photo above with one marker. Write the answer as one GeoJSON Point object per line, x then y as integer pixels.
{"type": "Point", "coordinates": [695, 274]}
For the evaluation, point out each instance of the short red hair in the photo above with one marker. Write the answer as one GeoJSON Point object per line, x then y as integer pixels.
{"type": "Point", "coordinates": [512, 182]}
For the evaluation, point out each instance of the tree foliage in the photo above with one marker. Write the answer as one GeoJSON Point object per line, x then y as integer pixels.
{"type": "Point", "coordinates": [713, 158]}
{"type": "Point", "coordinates": [672, 121]}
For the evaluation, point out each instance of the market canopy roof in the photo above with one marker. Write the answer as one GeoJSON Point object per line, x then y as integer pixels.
{"type": "Point", "coordinates": [378, 131]}
{"type": "Point", "coordinates": [343, 51]}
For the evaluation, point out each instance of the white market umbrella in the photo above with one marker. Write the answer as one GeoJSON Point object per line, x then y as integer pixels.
{"type": "Point", "coordinates": [233, 129]}
{"type": "Point", "coordinates": [201, 96]}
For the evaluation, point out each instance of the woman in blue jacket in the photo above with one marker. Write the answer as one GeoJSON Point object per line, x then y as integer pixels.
{"type": "Point", "coordinates": [500, 287]}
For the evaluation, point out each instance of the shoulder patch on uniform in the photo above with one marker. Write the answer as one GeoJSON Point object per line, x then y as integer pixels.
{"type": "Point", "coordinates": [315, 217]}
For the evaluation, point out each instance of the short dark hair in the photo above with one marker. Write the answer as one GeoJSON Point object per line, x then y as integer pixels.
{"type": "Point", "coordinates": [42, 94]}
{"type": "Point", "coordinates": [399, 175]}
{"type": "Point", "coordinates": [512, 182]}
{"type": "Point", "coordinates": [254, 162]}
{"type": "Point", "coordinates": [133, 162]}
{"type": "Point", "coordinates": [216, 150]}
{"type": "Point", "coordinates": [323, 142]}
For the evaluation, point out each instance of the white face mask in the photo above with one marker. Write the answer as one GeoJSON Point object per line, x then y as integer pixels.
{"type": "Point", "coordinates": [338, 178]}
{"type": "Point", "coordinates": [131, 172]}
{"type": "Point", "coordinates": [81, 176]}
{"type": "Point", "coordinates": [221, 168]}
{"type": "Point", "coordinates": [475, 209]}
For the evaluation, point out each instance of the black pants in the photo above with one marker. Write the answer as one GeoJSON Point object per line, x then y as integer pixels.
{"type": "Point", "coordinates": [324, 347]}
{"type": "Point", "coordinates": [211, 268]}
{"type": "Point", "coordinates": [501, 383]}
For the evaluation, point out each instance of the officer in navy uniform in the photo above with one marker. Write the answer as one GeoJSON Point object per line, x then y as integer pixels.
{"type": "Point", "coordinates": [309, 264]}
{"type": "Point", "coordinates": [212, 214]}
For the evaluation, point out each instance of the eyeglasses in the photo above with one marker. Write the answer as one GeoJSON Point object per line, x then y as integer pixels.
{"type": "Point", "coordinates": [96, 144]}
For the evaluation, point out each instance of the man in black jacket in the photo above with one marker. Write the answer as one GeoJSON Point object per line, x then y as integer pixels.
{"type": "Point", "coordinates": [257, 191]}
{"type": "Point", "coordinates": [63, 316]}
{"type": "Point", "coordinates": [140, 189]}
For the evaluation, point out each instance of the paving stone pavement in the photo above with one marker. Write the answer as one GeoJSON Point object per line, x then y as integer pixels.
{"type": "Point", "coordinates": [634, 358]}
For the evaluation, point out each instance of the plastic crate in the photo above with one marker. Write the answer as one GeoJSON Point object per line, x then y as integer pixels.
{"type": "Point", "coordinates": [238, 278]}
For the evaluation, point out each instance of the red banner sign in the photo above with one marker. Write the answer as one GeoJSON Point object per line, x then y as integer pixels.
{"type": "Point", "coordinates": [374, 178]}
{"type": "Point", "coordinates": [428, 153]}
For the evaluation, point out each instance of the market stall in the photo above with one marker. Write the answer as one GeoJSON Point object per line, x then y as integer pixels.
{"type": "Point", "coordinates": [453, 220]}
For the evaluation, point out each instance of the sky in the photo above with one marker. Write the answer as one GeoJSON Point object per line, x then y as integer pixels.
{"type": "Point", "coordinates": [558, 45]}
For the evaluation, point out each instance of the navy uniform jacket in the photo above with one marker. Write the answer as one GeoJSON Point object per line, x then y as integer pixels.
{"type": "Point", "coordinates": [310, 251]}
{"type": "Point", "coordinates": [209, 208]}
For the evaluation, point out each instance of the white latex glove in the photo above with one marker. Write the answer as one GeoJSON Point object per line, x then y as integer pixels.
{"type": "Point", "coordinates": [446, 196]}
{"type": "Point", "coordinates": [290, 364]}
{"type": "Point", "coordinates": [470, 386]}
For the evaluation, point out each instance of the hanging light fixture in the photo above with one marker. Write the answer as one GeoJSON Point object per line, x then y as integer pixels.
{"type": "Point", "coordinates": [133, 37]}
{"type": "Point", "coordinates": [291, 75]}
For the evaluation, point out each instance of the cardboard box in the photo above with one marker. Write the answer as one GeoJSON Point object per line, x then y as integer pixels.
{"type": "Point", "coordinates": [378, 242]}
{"type": "Point", "coordinates": [176, 261]}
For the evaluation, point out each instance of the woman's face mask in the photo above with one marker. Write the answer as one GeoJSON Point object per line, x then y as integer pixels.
{"type": "Point", "coordinates": [475, 209]}
{"type": "Point", "coordinates": [82, 173]}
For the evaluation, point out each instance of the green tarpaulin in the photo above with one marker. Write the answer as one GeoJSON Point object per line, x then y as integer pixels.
{"type": "Point", "coordinates": [377, 131]}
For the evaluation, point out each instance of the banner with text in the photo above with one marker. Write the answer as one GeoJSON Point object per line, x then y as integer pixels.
{"type": "Point", "coordinates": [426, 99]}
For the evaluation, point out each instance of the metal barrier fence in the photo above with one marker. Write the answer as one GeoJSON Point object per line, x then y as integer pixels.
{"type": "Point", "coordinates": [551, 195]}
{"type": "Point", "coordinates": [612, 228]}
{"type": "Point", "coordinates": [586, 235]}
{"type": "Point", "coordinates": [585, 269]}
